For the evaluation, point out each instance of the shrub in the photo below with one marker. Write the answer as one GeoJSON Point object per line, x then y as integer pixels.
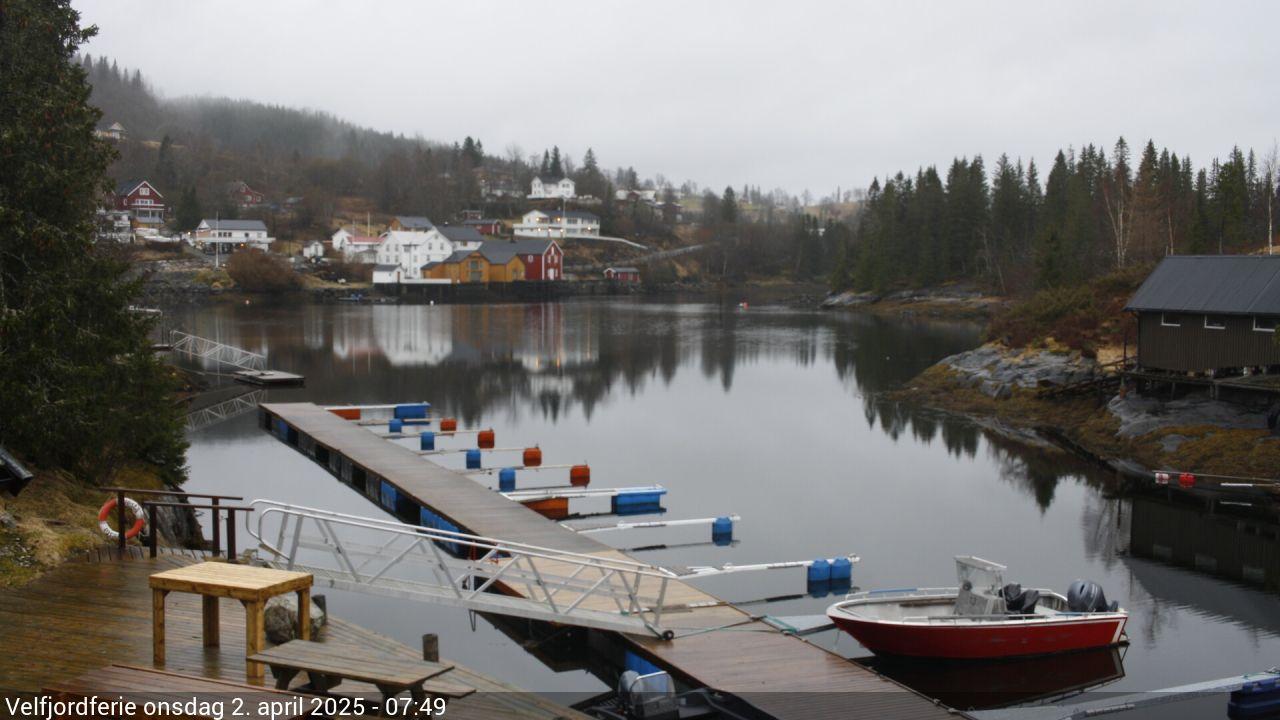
{"type": "Point", "coordinates": [257, 271]}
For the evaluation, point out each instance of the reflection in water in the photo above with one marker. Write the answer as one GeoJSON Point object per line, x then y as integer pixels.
{"type": "Point", "coordinates": [781, 417]}
{"type": "Point", "coordinates": [564, 355]}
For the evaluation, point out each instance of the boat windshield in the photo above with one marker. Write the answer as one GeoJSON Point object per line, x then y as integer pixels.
{"type": "Point", "coordinates": [979, 575]}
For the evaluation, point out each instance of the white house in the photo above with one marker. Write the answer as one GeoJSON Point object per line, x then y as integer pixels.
{"type": "Point", "coordinates": [645, 195]}
{"type": "Point", "coordinates": [313, 250]}
{"type": "Point", "coordinates": [231, 234]}
{"type": "Point", "coordinates": [114, 131]}
{"type": "Point", "coordinates": [547, 187]}
{"type": "Point", "coordinates": [356, 248]}
{"type": "Point", "coordinates": [557, 224]}
{"type": "Point", "coordinates": [411, 250]}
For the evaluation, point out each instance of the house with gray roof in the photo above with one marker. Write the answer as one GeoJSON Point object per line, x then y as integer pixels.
{"type": "Point", "coordinates": [411, 223]}
{"type": "Point", "coordinates": [226, 235]}
{"type": "Point", "coordinates": [1214, 315]}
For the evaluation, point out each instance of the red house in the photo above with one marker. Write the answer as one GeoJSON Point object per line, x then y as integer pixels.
{"type": "Point", "coordinates": [543, 258]}
{"type": "Point", "coordinates": [141, 200]}
{"type": "Point", "coordinates": [622, 274]}
{"type": "Point", "coordinates": [485, 226]}
{"type": "Point", "coordinates": [244, 196]}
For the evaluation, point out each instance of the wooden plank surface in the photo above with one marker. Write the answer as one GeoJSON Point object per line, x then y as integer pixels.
{"type": "Point", "coordinates": [220, 579]}
{"type": "Point", "coordinates": [453, 495]}
{"type": "Point", "coordinates": [83, 616]}
{"type": "Point", "coordinates": [140, 685]}
{"type": "Point", "coordinates": [783, 675]}
{"type": "Point", "coordinates": [351, 662]}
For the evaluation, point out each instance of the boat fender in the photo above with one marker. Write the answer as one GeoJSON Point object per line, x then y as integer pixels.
{"type": "Point", "coordinates": [395, 426]}
{"type": "Point", "coordinates": [426, 440]}
{"type": "Point", "coordinates": [485, 439]}
{"type": "Point", "coordinates": [109, 507]}
{"type": "Point", "coordinates": [506, 479]}
{"type": "Point", "coordinates": [473, 459]}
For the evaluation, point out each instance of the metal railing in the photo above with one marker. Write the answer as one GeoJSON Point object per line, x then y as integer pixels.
{"type": "Point", "coordinates": [148, 507]}
{"type": "Point", "coordinates": [214, 351]}
{"type": "Point", "coordinates": [455, 568]}
{"type": "Point", "coordinates": [225, 410]}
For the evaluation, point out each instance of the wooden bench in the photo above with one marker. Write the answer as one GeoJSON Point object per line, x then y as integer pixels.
{"type": "Point", "coordinates": [142, 685]}
{"type": "Point", "coordinates": [328, 664]}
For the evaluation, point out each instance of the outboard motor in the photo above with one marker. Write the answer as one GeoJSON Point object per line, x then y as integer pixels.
{"type": "Point", "coordinates": [648, 697]}
{"type": "Point", "coordinates": [1087, 596]}
{"type": "Point", "coordinates": [1018, 601]}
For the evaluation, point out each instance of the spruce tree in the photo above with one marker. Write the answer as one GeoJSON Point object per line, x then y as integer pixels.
{"type": "Point", "coordinates": [555, 168]}
{"type": "Point", "coordinates": [79, 385]}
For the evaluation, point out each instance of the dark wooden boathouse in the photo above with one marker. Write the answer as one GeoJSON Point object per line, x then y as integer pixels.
{"type": "Point", "coordinates": [1210, 315]}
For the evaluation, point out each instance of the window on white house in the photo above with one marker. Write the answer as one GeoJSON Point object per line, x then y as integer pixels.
{"type": "Point", "coordinates": [1265, 324]}
{"type": "Point", "coordinates": [1215, 322]}
{"type": "Point", "coordinates": [1170, 320]}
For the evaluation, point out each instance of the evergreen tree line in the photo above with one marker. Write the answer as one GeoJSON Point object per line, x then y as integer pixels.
{"type": "Point", "coordinates": [1093, 214]}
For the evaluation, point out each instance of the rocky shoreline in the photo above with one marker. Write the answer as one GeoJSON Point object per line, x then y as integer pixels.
{"type": "Point", "coordinates": [1010, 391]}
{"type": "Point", "coordinates": [952, 301]}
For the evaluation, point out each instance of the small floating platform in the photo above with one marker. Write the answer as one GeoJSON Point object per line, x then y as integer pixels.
{"type": "Point", "coordinates": [269, 377]}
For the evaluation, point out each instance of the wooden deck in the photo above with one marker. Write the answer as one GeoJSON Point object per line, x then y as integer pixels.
{"type": "Point", "coordinates": [84, 616]}
{"type": "Point", "coordinates": [720, 647]}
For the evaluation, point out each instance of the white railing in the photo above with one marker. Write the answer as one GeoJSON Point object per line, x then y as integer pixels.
{"type": "Point", "coordinates": [216, 352]}
{"type": "Point", "coordinates": [453, 568]}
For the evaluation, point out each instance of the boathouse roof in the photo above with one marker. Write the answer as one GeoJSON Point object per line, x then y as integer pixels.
{"type": "Point", "coordinates": [1221, 284]}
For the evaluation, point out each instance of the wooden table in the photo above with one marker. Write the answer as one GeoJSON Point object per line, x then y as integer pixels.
{"type": "Point", "coordinates": [252, 586]}
{"type": "Point", "coordinates": [328, 664]}
{"type": "Point", "coordinates": [142, 685]}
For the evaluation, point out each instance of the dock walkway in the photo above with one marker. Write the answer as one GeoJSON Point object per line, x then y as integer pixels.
{"type": "Point", "coordinates": [85, 615]}
{"type": "Point", "coordinates": [720, 646]}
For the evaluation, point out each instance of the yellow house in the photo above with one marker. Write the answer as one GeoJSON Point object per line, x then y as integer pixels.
{"type": "Point", "coordinates": [487, 265]}
{"type": "Point", "coordinates": [504, 263]}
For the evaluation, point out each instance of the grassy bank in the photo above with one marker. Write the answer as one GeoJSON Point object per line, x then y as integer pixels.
{"type": "Point", "coordinates": [53, 519]}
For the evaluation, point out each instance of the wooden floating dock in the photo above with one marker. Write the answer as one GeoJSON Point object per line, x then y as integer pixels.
{"type": "Point", "coordinates": [277, 378]}
{"type": "Point", "coordinates": [86, 615]}
{"type": "Point", "coordinates": [716, 645]}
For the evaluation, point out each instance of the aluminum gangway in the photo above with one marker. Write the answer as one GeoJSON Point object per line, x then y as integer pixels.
{"type": "Point", "coordinates": [386, 557]}
{"type": "Point", "coordinates": [216, 352]}
{"type": "Point", "coordinates": [607, 591]}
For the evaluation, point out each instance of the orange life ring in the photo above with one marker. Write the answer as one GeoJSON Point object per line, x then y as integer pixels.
{"type": "Point", "coordinates": [108, 507]}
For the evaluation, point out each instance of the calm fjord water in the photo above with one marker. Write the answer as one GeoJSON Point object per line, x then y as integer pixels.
{"type": "Point", "coordinates": [774, 414]}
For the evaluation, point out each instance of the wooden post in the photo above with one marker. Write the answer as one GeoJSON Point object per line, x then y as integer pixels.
{"type": "Point", "coordinates": [231, 536]}
{"type": "Point", "coordinates": [120, 520]}
{"type": "Point", "coordinates": [255, 638]}
{"type": "Point", "coordinates": [209, 619]}
{"type": "Point", "coordinates": [151, 528]}
{"type": "Point", "coordinates": [431, 647]}
{"type": "Point", "coordinates": [217, 531]}
{"type": "Point", "coordinates": [157, 626]}
{"type": "Point", "coordinates": [304, 613]}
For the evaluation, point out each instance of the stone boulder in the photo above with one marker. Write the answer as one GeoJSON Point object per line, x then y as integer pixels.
{"type": "Point", "coordinates": [995, 370]}
{"type": "Point", "coordinates": [281, 618]}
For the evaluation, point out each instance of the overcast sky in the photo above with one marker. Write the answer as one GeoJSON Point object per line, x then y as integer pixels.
{"type": "Point", "coordinates": [779, 94]}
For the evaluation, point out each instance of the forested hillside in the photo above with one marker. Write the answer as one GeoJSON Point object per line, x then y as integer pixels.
{"type": "Point", "coordinates": [1094, 213]}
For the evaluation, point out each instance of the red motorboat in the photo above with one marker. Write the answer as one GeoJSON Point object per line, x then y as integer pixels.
{"type": "Point", "coordinates": [982, 618]}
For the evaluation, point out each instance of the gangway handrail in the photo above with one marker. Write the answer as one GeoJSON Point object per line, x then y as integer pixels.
{"type": "Point", "coordinates": [464, 568]}
{"type": "Point", "coordinates": [448, 536]}
{"type": "Point", "coordinates": [219, 352]}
